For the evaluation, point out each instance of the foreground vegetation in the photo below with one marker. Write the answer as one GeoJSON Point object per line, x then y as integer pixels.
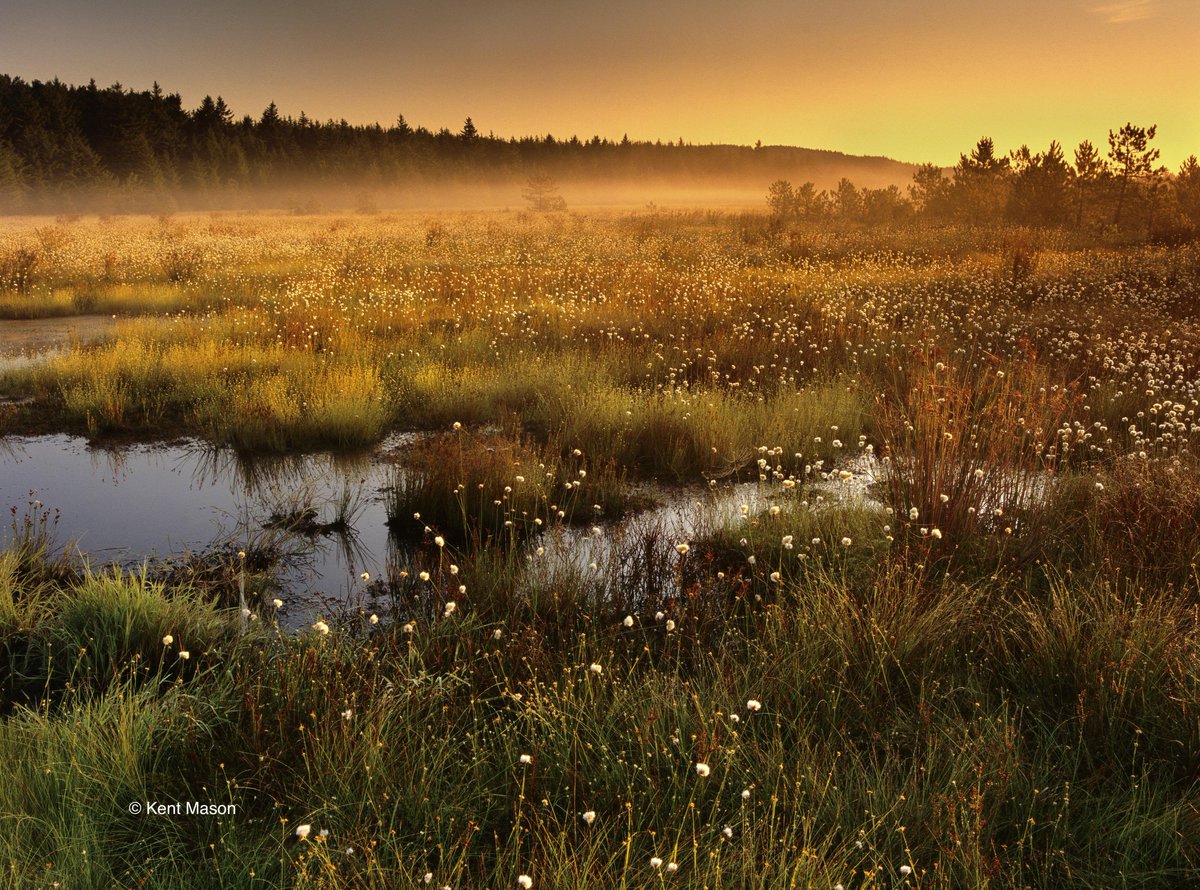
{"type": "Point", "coordinates": [837, 712]}
{"type": "Point", "coordinates": [986, 672]}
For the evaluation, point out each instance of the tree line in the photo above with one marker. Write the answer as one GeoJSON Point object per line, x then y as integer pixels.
{"type": "Point", "coordinates": [1125, 189]}
{"type": "Point", "coordinates": [59, 140]}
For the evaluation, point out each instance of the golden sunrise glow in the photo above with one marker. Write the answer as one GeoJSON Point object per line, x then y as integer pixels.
{"type": "Point", "coordinates": [917, 82]}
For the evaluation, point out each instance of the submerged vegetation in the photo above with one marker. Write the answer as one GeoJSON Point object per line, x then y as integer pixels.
{"type": "Point", "coordinates": [947, 635]}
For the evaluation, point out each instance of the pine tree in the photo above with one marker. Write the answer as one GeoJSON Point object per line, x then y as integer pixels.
{"type": "Point", "coordinates": [1132, 158]}
{"type": "Point", "coordinates": [980, 183]}
{"type": "Point", "coordinates": [781, 199]}
{"type": "Point", "coordinates": [1187, 191]}
{"type": "Point", "coordinates": [1040, 186]}
{"type": "Point", "coordinates": [541, 193]}
{"type": "Point", "coordinates": [930, 192]}
{"type": "Point", "coordinates": [1090, 172]}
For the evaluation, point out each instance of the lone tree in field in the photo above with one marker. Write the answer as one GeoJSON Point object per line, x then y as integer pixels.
{"type": "Point", "coordinates": [541, 192]}
{"type": "Point", "coordinates": [781, 199]}
{"type": "Point", "coordinates": [1132, 159]}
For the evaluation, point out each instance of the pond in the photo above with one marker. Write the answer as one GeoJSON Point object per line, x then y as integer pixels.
{"type": "Point", "coordinates": [158, 504]}
{"type": "Point", "coordinates": [139, 503]}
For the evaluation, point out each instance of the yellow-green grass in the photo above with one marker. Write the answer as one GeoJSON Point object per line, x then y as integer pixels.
{"type": "Point", "coordinates": [706, 328]}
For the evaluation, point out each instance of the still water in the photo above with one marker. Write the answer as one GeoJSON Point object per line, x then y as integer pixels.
{"type": "Point", "coordinates": [140, 503]}
{"type": "Point", "coordinates": [155, 503]}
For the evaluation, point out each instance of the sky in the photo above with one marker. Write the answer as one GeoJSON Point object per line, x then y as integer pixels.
{"type": "Point", "coordinates": [916, 81]}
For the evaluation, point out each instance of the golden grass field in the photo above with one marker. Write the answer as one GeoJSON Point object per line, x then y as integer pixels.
{"type": "Point", "coordinates": [984, 673]}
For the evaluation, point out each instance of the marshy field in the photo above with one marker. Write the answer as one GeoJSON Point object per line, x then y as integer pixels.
{"type": "Point", "coordinates": [596, 549]}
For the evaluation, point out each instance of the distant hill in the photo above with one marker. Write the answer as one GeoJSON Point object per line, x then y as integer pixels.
{"type": "Point", "coordinates": [64, 145]}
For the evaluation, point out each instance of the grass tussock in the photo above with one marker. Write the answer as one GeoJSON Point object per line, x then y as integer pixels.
{"type": "Point", "coordinates": [491, 488]}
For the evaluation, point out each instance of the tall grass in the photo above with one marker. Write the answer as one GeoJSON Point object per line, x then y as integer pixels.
{"type": "Point", "coordinates": [972, 450]}
{"type": "Point", "coordinates": [481, 488]}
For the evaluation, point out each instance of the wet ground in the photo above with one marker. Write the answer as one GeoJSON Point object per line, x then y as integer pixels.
{"type": "Point", "coordinates": [161, 503]}
{"type": "Point", "coordinates": [32, 335]}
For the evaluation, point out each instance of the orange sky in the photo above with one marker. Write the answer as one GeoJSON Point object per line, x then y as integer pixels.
{"type": "Point", "coordinates": [918, 81]}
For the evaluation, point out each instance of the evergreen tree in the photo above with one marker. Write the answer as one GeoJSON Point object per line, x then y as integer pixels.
{"type": "Point", "coordinates": [847, 200]}
{"type": "Point", "coordinates": [1132, 159]}
{"type": "Point", "coordinates": [1187, 191]}
{"type": "Point", "coordinates": [781, 199]}
{"type": "Point", "coordinates": [1091, 171]}
{"type": "Point", "coordinates": [1040, 186]}
{"type": "Point", "coordinates": [541, 193]}
{"type": "Point", "coordinates": [930, 192]}
{"type": "Point", "coordinates": [979, 191]}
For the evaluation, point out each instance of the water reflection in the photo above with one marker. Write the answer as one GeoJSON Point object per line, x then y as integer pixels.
{"type": "Point", "coordinates": [319, 520]}
{"type": "Point", "coordinates": [159, 503]}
